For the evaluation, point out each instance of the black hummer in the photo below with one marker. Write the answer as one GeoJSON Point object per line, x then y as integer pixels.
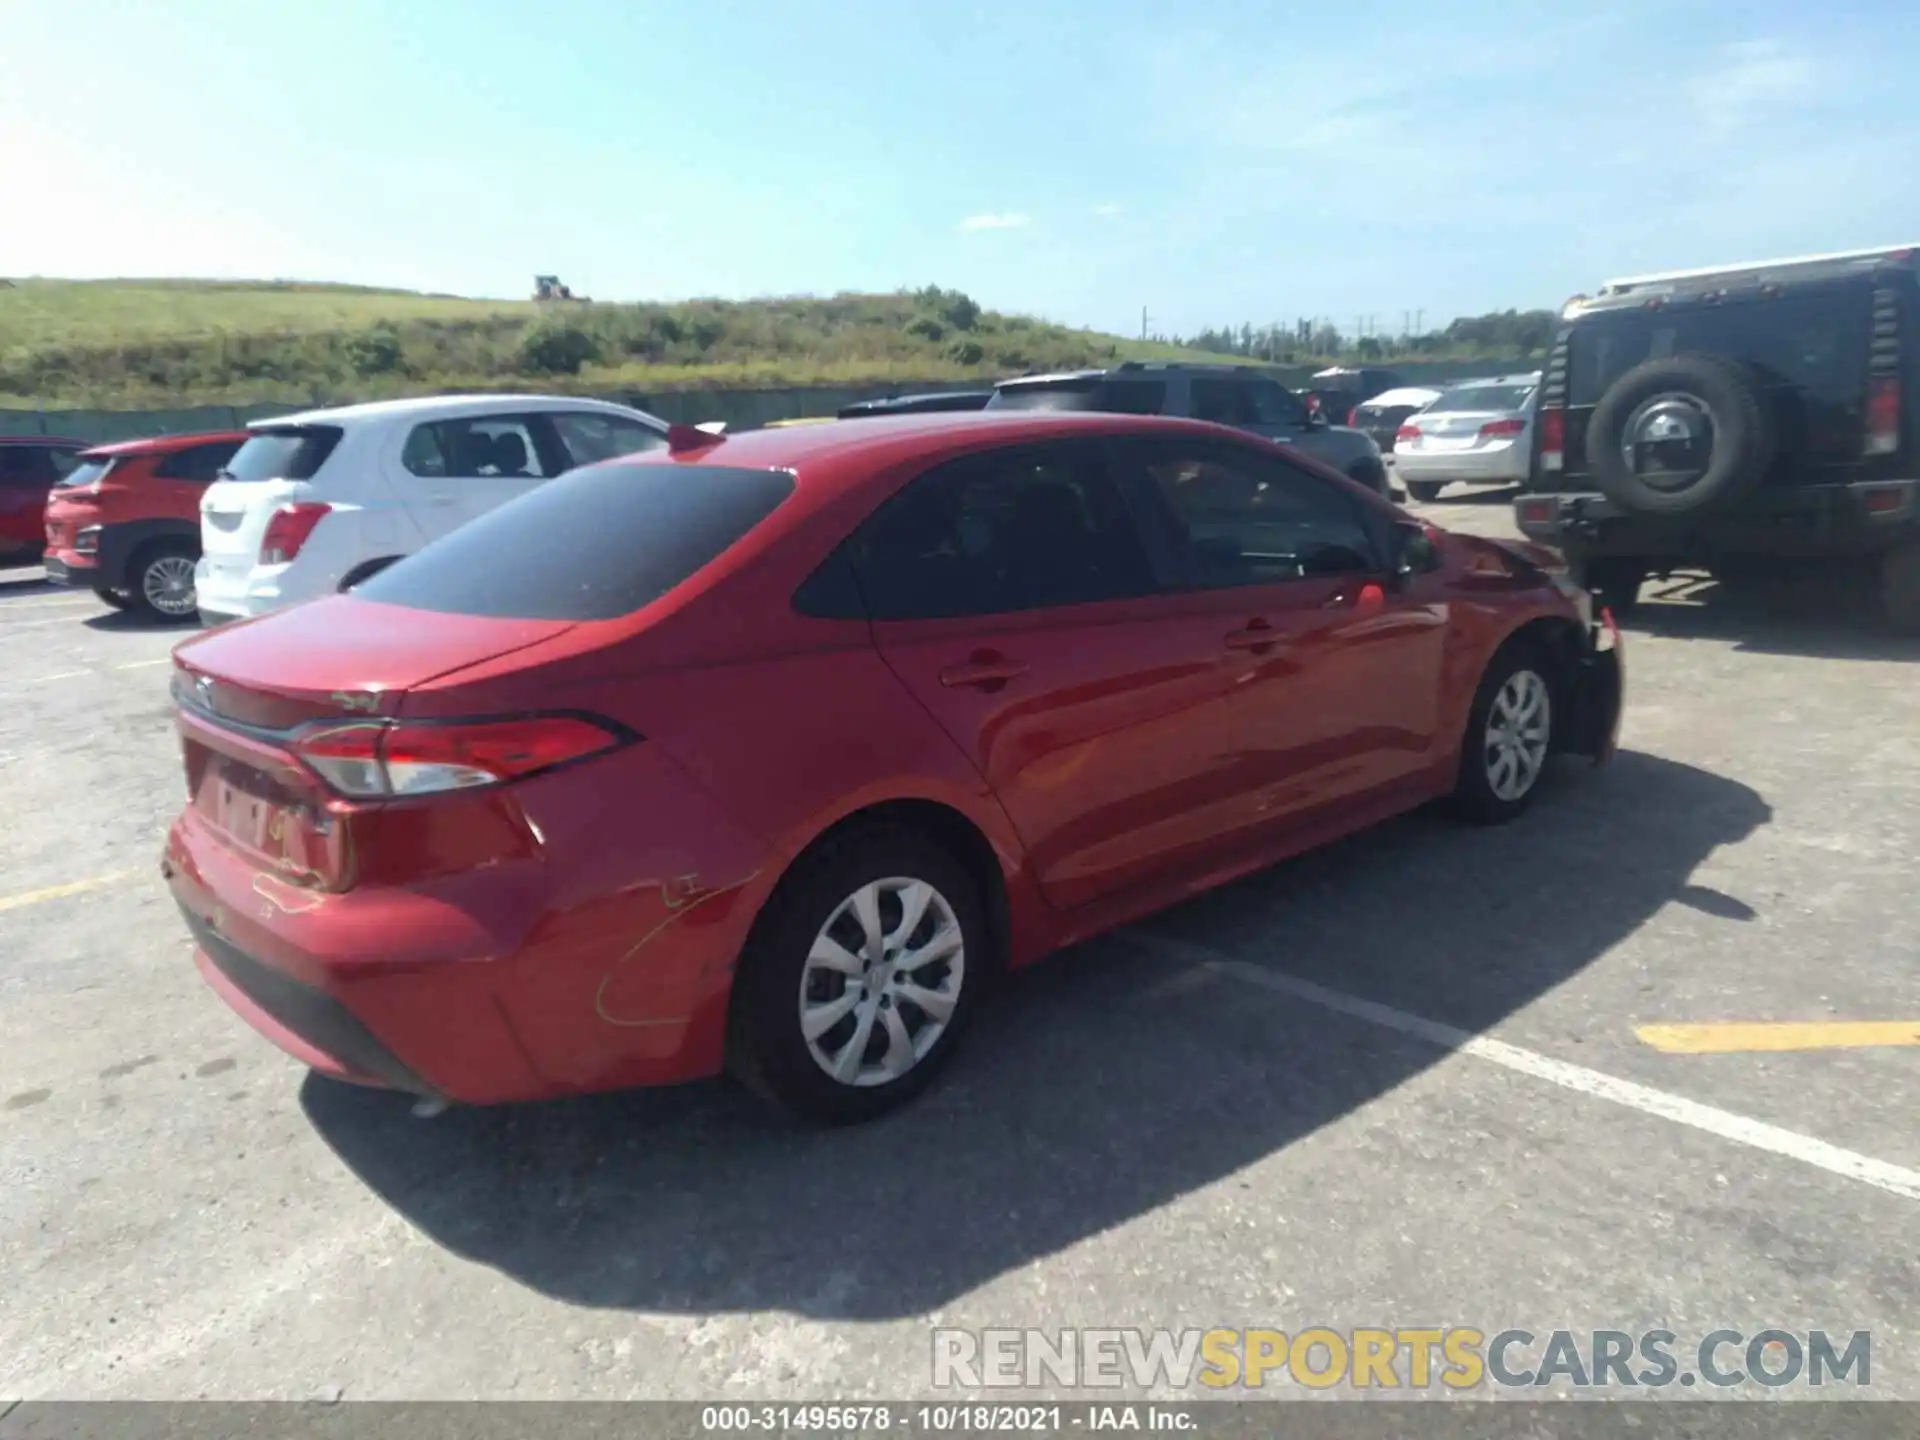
{"type": "Point", "coordinates": [1748, 419]}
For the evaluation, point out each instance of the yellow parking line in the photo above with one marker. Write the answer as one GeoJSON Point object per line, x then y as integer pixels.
{"type": "Point", "coordinates": [60, 892]}
{"type": "Point", "coordinates": [63, 675]}
{"type": "Point", "coordinates": [1737, 1036]}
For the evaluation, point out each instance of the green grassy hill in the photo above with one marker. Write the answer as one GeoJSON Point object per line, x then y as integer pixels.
{"type": "Point", "coordinates": [107, 344]}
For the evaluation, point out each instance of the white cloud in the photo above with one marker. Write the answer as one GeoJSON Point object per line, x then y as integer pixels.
{"type": "Point", "coordinates": [1005, 220]}
{"type": "Point", "coordinates": [1751, 79]}
{"type": "Point", "coordinates": [1107, 211]}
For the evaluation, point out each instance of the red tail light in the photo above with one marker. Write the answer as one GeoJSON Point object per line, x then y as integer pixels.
{"type": "Point", "coordinates": [1500, 429]}
{"type": "Point", "coordinates": [1353, 416]}
{"type": "Point", "coordinates": [1406, 432]}
{"type": "Point", "coordinates": [397, 759]}
{"type": "Point", "coordinates": [1883, 415]}
{"type": "Point", "coordinates": [1553, 439]}
{"type": "Point", "coordinates": [1539, 511]}
{"type": "Point", "coordinates": [289, 529]}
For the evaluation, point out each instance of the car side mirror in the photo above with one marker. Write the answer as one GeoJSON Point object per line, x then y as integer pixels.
{"type": "Point", "coordinates": [1414, 553]}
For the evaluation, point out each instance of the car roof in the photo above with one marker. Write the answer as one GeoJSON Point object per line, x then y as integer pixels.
{"type": "Point", "coordinates": [877, 441]}
{"type": "Point", "coordinates": [1131, 367]}
{"type": "Point", "coordinates": [1407, 395]}
{"type": "Point", "coordinates": [167, 444]}
{"type": "Point", "coordinates": [1530, 377]}
{"type": "Point", "coordinates": [442, 407]}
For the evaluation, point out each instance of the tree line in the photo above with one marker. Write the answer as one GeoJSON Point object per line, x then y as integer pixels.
{"type": "Point", "coordinates": [1505, 333]}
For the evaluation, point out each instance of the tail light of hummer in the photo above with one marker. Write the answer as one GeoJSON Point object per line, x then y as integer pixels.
{"type": "Point", "coordinates": [1553, 439]}
{"type": "Point", "coordinates": [1883, 415]}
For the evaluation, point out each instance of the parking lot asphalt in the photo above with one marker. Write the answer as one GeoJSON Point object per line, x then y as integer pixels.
{"type": "Point", "coordinates": [1399, 1082]}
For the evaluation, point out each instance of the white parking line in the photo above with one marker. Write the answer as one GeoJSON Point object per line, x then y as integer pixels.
{"type": "Point", "coordinates": [83, 674]}
{"type": "Point", "coordinates": [6, 625]}
{"type": "Point", "coordinates": [1755, 1134]}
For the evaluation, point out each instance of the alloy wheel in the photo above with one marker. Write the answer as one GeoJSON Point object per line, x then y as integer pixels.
{"type": "Point", "coordinates": [167, 585]}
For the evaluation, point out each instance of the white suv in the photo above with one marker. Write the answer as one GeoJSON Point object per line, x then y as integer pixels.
{"type": "Point", "coordinates": [315, 503]}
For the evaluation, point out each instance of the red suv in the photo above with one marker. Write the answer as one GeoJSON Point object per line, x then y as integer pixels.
{"type": "Point", "coordinates": [30, 466]}
{"type": "Point", "coordinates": [126, 522]}
{"type": "Point", "coordinates": [768, 751]}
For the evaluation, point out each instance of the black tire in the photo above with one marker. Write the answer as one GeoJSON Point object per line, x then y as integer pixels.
{"type": "Point", "coordinates": [1743, 435]}
{"type": "Point", "coordinates": [768, 1050]}
{"type": "Point", "coordinates": [1426, 491]}
{"type": "Point", "coordinates": [1478, 796]}
{"type": "Point", "coordinates": [113, 597]}
{"type": "Point", "coordinates": [153, 591]}
{"type": "Point", "coordinates": [1900, 587]}
{"type": "Point", "coordinates": [1614, 581]}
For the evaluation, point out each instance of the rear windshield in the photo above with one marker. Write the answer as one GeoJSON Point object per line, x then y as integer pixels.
{"type": "Point", "coordinates": [85, 473]}
{"type": "Point", "coordinates": [1813, 341]}
{"type": "Point", "coordinates": [1125, 397]}
{"type": "Point", "coordinates": [283, 453]}
{"type": "Point", "coordinates": [597, 543]}
{"type": "Point", "coordinates": [1484, 397]}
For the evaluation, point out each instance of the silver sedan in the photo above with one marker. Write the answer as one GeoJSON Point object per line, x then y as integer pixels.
{"type": "Point", "coordinates": [1476, 433]}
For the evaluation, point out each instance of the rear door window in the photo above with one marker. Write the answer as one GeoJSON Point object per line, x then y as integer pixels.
{"type": "Point", "coordinates": [1026, 528]}
{"type": "Point", "coordinates": [283, 453]}
{"type": "Point", "coordinates": [1274, 404]}
{"type": "Point", "coordinates": [25, 467]}
{"type": "Point", "coordinates": [483, 447]}
{"type": "Point", "coordinates": [595, 544]}
{"type": "Point", "coordinates": [588, 436]}
{"type": "Point", "coordinates": [199, 465]}
{"type": "Point", "coordinates": [1223, 401]}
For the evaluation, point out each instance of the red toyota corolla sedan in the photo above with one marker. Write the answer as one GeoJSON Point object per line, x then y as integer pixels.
{"type": "Point", "coordinates": [767, 752]}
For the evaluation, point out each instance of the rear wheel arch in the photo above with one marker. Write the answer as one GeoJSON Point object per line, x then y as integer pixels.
{"type": "Point", "coordinates": [952, 829]}
{"type": "Point", "coordinates": [928, 841]}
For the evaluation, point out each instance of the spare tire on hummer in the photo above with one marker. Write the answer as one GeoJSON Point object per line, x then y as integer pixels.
{"type": "Point", "coordinates": [1679, 436]}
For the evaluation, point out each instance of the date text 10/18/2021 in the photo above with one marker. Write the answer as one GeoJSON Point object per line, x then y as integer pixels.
{"type": "Point", "coordinates": [942, 1419]}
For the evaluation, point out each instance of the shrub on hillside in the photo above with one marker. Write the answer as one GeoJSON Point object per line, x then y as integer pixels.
{"type": "Point", "coordinates": [557, 347]}
{"type": "Point", "coordinates": [376, 352]}
{"type": "Point", "coordinates": [955, 307]}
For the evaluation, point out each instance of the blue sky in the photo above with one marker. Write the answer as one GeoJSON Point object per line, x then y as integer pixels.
{"type": "Point", "coordinates": [1215, 163]}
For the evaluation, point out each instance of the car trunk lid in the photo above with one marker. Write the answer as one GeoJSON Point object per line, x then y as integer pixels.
{"type": "Point", "coordinates": [1461, 429]}
{"type": "Point", "coordinates": [243, 694]}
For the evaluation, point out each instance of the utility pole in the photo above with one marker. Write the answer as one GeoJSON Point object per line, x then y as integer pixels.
{"type": "Point", "coordinates": [1143, 322]}
{"type": "Point", "coordinates": [1419, 322]}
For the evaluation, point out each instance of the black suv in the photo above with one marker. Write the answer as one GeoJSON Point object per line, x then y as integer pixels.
{"type": "Point", "coordinates": [1747, 420]}
{"type": "Point", "coordinates": [1233, 395]}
